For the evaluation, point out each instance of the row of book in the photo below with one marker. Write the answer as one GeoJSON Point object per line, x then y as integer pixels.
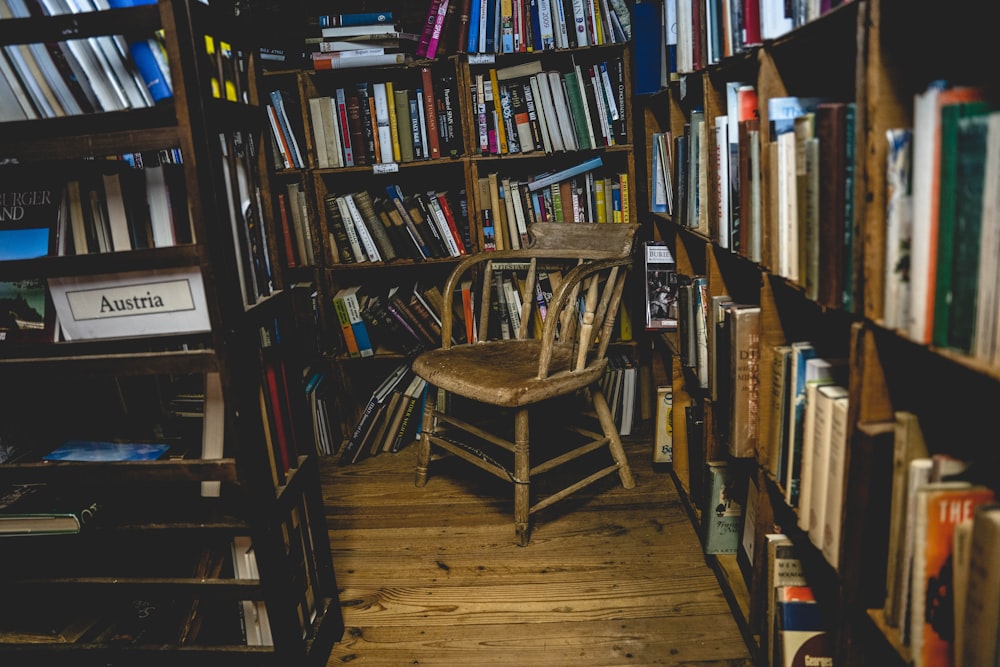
{"type": "Point", "coordinates": [808, 185]}
{"type": "Point", "coordinates": [944, 526]}
{"type": "Point", "coordinates": [578, 194]}
{"type": "Point", "coordinates": [706, 31]}
{"type": "Point", "coordinates": [518, 26]}
{"type": "Point", "coordinates": [620, 385]}
{"type": "Point", "coordinates": [124, 202]}
{"type": "Point", "coordinates": [522, 109]}
{"type": "Point", "coordinates": [369, 227]}
{"type": "Point", "coordinates": [941, 222]}
{"type": "Point", "coordinates": [78, 76]}
{"type": "Point", "coordinates": [383, 122]}
{"type": "Point", "coordinates": [391, 418]}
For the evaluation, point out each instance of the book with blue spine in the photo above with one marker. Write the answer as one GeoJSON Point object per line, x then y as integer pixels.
{"type": "Point", "coordinates": [547, 179]}
{"type": "Point", "coordinates": [157, 81]}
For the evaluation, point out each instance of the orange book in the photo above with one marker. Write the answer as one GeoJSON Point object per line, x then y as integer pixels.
{"type": "Point", "coordinates": [940, 507]}
{"type": "Point", "coordinates": [430, 113]}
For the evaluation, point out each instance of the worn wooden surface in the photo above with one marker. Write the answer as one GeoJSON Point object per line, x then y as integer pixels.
{"type": "Point", "coordinates": [431, 575]}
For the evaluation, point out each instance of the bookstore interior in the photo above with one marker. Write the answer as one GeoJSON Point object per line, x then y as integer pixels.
{"type": "Point", "coordinates": [232, 237]}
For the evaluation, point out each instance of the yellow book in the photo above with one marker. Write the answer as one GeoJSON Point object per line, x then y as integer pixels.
{"type": "Point", "coordinates": [600, 201]}
{"type": "Point", "coordinates": [626, 202]}
{"type": "Point", "coordinates": [393, 120]}
{"type": "Point", "coordinates": [499, 213]}
{"type": "Point", "coordinates": [501, 131]}
{"type": "Point", "coordinates": [598, 27]}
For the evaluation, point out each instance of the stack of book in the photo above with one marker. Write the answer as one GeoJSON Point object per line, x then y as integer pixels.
{"type": "Point", "coordinates": [369, 39]}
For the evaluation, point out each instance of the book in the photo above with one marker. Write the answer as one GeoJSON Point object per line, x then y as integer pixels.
{"type": "Point", "coordinates": [803, 635]}
{"type": "Point", "coordinates": [981, 614]}
{"type": "Point", "coordinates": [784, 568]}
{"type": "Point", "coordinates": [44, 509]}
{"type": "Point", "coordinates": [823, 394]}
{"type": "Point", "coordinates": [31, 205]}
{"type": "Point", "coordinates": [100, 450]}
{"type": "Point", "coordinates": [352, 449]}
{"type": "Point", "coordinates": [836, 465]}
{"type": "Point", "coordinates": [723, 509]}
{"type": "Point", "coordinates": [661, 286]}
{"type": "Point", "coordinates": [899, 227]}
{"type": "Point", "coordinates": [663, 434]}
{"type": "Point", "coordinates": [939, 507]}
{"type": "Point", "coordinates": [744, 371]}
{"type": "Point", "coordinates": [801, 352]}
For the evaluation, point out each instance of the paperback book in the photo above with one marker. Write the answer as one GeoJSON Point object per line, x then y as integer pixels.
{"type": "Point", "coordinates": [661, 286]}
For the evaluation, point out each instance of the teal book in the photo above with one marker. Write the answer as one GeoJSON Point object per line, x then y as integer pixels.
{"type": "Point", "coordinates": [948, 189]}
{"type": "Point", "coordinates": [722, 517]}
{"type": "Point", "coordinates": [971, 171]}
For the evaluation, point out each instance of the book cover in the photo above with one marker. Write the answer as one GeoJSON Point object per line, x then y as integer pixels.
{"type": "Point", "coordinates": [26, 313]}
{"type": "Point", "coordinates": [44, 509]}
{"type": "Point", "coordinates": [802, 633]}
{"type": "Point", "coordinates": [99, 450]}
{"type": "Point", "coordinates": [978, 644]}
{"type": "Point", "coordinates": [940, 506]}
{"type": "Point", "coordinates": [744, 372]}
{"type": "Point", "coordinates": [663, 438]}
{"type": "Point", "coordinates": [31, 207]}
{"type": "Point", "coordinates": [661, 286]}
{"type": "Point", "coordinates": [723, 510]}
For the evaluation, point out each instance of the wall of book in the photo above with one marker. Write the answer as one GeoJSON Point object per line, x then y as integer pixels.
{"type": "Point", "coordinates": [802, 170]}
{"type": "Point", "coordinates": [414, 135]}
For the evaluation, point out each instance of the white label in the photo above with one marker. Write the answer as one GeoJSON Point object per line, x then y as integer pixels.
{"type": "Point", "coordinates": [482, 58]}
{"type": "Point", "coordinates": [385, 168]}
{"type": "Point", "coordinates": [172, 296]}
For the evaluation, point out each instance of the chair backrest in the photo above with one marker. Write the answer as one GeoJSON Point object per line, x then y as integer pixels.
{"type": "Point", "coordinates": [597, 254]}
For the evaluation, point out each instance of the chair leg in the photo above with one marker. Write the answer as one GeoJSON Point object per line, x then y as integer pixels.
{"type": "Point", "coordinates": [522, 473]}
{"type": "Point", "coordinates": [424, 446]}
{"type": "Point", "coordinates": [611, 432]}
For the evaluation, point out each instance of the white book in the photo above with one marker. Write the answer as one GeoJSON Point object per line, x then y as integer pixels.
{"type": "Point", "coordinates": [352, 234]}
{"type": "Point", "coordinates": [833, 508]}
{"type": "Point", "coordinates": [987, 311]}
{"type": "Point", "coordinates": [14, 101]}
{"type": "Point", "coordinates": [543, 121]}
{"type": "Point", "coordinates": [319, 132]}
{"type": "Point", "coordinates": [364, 235]}
{"type": "Point", "coordinates": [31, 76]}
{"type": "Point", "coordinates": [158, 196]}
{"type": "Point", "coordinates": [549, 112]}
{"type": "Point", "coordinates": [559, 26]}
{"type": "Point", "coordinates": [441, 222]}
{"type": "Point", "coordinates": [788, 228]}
{"type": "Point", "coordinates": [382, 123]}
{"type": "Point", "coordinates": [826, 395]}
{"type": "Point", "coordinates": [117, 217]}
{"type": "Point", "coordinates": [545, 27]}
{"type": "Point", "coordinates": [580, 23]}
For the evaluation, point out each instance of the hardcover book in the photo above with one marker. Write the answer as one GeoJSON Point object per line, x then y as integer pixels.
{"type": "Point", "coordinates": [41, 509]}
{"type": "Point", "coordinates": [97, 450]}
{"type": "Point", "coordinates": [31, 208]}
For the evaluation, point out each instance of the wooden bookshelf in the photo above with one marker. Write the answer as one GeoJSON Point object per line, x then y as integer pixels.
{"type": "Point", "coordinates": [164, 528]}
{"type": "Point", "coordinates": [859, 53]}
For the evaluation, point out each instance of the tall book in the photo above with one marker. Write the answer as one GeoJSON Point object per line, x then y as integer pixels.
{"type": "Point", "coordinates": [939, 507]}
{"type": "Point", "coordinates": [979, 644]}
{"type": "Point", "coordinates": [744, 335]}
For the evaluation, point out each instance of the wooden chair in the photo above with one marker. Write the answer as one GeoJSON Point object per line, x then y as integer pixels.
{"type": "Point", "coordinates": [520, 374]}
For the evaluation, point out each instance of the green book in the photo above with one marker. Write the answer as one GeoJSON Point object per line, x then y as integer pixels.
{"type": "Point", "coordinates": [579, 115]}
{"type": "Point", "coordinates": [971, 171]}
{"type": "Point", "coordinates": [948, 186]}
{"type": "Point", "coordinates": [401, 100]}
{"type": "Point", "coordinates": [723, 510]}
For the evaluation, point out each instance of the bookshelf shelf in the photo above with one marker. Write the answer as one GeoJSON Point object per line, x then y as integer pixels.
{"type": "Point", "coordinates": [852, 59]}
{"type": "Point", "coordinates": [184, 238]}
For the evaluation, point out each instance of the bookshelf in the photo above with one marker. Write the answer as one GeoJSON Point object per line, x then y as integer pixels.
{"type": "Point", "coordinates": [857, 53]}
{"type": "Point", "coordinates": [461, 169]}
{"type": "Point", "coordinates": [205, 328]}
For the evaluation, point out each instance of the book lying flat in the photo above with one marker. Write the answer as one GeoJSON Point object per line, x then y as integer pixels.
{"type": "Point", "coordinates": [39, 509]}
{"type": "Point", "coordinates": [93, 450]}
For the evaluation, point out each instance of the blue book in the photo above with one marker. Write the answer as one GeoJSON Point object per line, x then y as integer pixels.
{"type": "Point", "coordinates": [362, 18]}
{"type": "Point", "coordinates": [647, 40]}
{"type": "Point", "coordinates": [474, 13]}
{"type": "Point", "coordinates": [95, 450]}
{"type": "Point", "coordinates": [145, 63]}
{"type": "Point", "coordinates": [492, 7]}
{"type": "Point", "coordinates": [118, 4]}
{"type": "Point", "coordinates": [545, 180]}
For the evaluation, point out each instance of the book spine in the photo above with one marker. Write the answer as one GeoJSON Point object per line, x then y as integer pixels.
{"type": "Point", "coordinates": [430, 114]}
{"type": "Point", "coordinates": [435, 38]}
{"type": "Point", "coordinates": [429, 23]}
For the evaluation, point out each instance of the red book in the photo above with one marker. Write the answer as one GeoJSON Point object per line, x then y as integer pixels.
{"type": "Point", "coordinates": [463, 26]}
{"type": "Point", "coordinates": [751, 23]}
{"type": "Point", "coordinates": [446, 209]}
{"type": "Point", "coordinates": [430, 113]}
{"type": "Point", "coordinates": [357, 130]}
{"type": "Point", "coordinates": [286, 231]}
{"type": "Point", "coordinates": [277, 417]}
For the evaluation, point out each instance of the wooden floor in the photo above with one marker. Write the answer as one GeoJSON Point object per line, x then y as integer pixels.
{"type": "Point", "coordinates": [432, 576]}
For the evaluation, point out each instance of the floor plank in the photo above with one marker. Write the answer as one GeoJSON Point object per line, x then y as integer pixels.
{"type": "Point", "coordinates": [432, 576]}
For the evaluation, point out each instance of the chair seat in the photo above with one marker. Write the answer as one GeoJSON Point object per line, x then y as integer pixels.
{"type": "Point", "coordinates": [503, 372]}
